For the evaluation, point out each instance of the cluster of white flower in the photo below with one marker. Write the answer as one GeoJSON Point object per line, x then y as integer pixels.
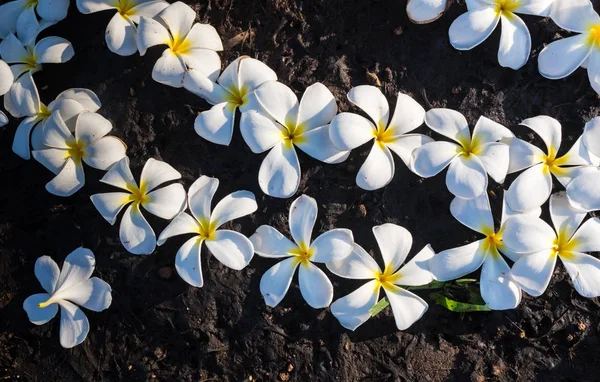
{"type": "Point", "coordinates": [69, 131]}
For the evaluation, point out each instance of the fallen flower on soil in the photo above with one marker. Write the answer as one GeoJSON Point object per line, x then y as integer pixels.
{"type": "Point", "coordinates": [333, 245]}
{"type": "Point", "coordinates": [394, 243]}
{"type": "Point", "coordinates": [471, 160]}
{"type": "Point", "coordinates": [426, 11]}
{"type": "Point", "coordinates": [136, 234]}
{"type": "Point", "coordinates": [20, 16]}
{"type": "Point", "coordinates": [231, 248]}
{"type": "Point", "coordinates": [68, 288]}
{"type": "Point", "coordinates": [283, 124]}
{"type": "Point", "coordinates": [6, 81]}
{"type": "Point", "coordinates": [190, 46]}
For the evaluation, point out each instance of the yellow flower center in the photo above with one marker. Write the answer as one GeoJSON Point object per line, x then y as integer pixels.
{"type": "Point", "coordinates": [138, 195]}
{"type": "Point", "coordinates": [468, 146]}
{"type": "Point", "coordinates": [76, 150]}
{"type": "Point", "coordinates": [179, 45]}
{"type": "Point", "coordinates": [124, 7]}
{"type": "Point", "coordinates": [386, 278]}
{"type": "Point", "coordinates": [44, 112]}
{"type": "Point", "coordinates": [594, 36]}
{"type": "Point", "coordinates": [507, 6]}
{"type": "Point", "coordinates": [292, 134]}
{"type": "Point", "coordinates": [303, 254]}
{"type": "Point", "coordinates": [563, 245]}
{"type": "Point", "coordinates": [30, 3]}
{"type": "Point", "coordinates": [45, 303]}
{"type": "Point", "coordinates": [206, 230]}
{"type": "Point", "coordinates": [553, 164]}
{"type": "Point", "coordinates": [383, 135]}
{"type": "Point", "coordinates": [30, 60]}
{"type": "Point", "coordinates": [237, 96]}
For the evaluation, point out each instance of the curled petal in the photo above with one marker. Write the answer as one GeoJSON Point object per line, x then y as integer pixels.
{"type": "Point", "coordinates": [181, 224]}
{"type": "Point", "coordinates": [497, 288]}
{"type": "Point", "coordinates": [200, 196]}
{"type": "Point", "coordinates": [120, 175]}
{"type": "Point", "coordinates": [358, 265]}
{"type": "Point", "coordinates": [110, 204]}
{"type": "Point", "coordinates": [216, 125]}
{"type": "Point", "coordinates": [565, 218]}
{"type": "Point", "coordinates": [121, 36]}
{"type": "Point", "coordinates": [279, 102]}
{"type": "Point", "coordinates": [416, 271]}
{"type": "Point", "coordinates": [591, 136]}
{"type": "Point", "coordinates": [166, 202]}
{"type": "Point", "coordinates": [279, 174]}
{"type": "Point", "coordinates": [136, 234]}
{"type": "Point", "coordinates": [74, 325]}
{"type": "Point", "coordinates": [515, 43]}
{"type": "Point", "coordinates": [93, 294]}
{"type": "Point", "coordinates": [372, 101]}
{"type": "Point", "coordinates": [472, 28]}
{"type": "Point", "coordinates": [585, 273]}
{"type": "Point", "coordinates": [188, 262]}
{"type": "Point", "coordinates": [587, 237]}
{"type": "Point", "coordinates": [233, 206]}
{"type": "Point", "coordinates": [53, 50]}
{"type": "Point", "coordinates": [474, 213]}
{"type": "Point", "coordinates": [68, 181]}
{"type": "Point", "coordinates": [47, 272]}
{"type": "Point", "coordinates": [23, 99]}
{"type": "Point", "coordinates": [179, 17]}
{"type": "Point", "coordinates": [20, 144]}
{"type": "Point", "coordinates": [156, 172]}
{"type": "Point", "coordinates": [169, 70]}
{"type": "Point", "coordinates": [317, 144]}
{"type": "Point", "coordinates": [150, 33]}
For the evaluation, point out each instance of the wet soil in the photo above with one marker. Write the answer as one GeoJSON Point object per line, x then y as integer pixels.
{"type": "Point", "coordinates": [159, 328]}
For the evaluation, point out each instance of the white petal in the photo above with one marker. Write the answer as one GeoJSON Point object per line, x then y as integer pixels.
{"type": "Point", "coordinates": [252, 73]}
{"type": "Point", "coordinates": [408, 115]}
{"type": "Point", "coordinates": [87, 98]}
{"type": "Point", "coordinates": [197, 82]}
{"type": "Point", "coordinates": [150, 33]}
{"type": "Point", "coordinates": [333, 245]}
{"type": "Point", "coordinates": [91, 127]}
{"type": "Point", "coordinates": [515, 43]}
{"type": "Point", "coordinates": [522, 155]}
{"type": "Point", "coordinates": [3, 119]}
{"type": "Point", "coordinates": [69, 110]}
{"type": "Point", "coordinates": [574, 15]}
{"type": "Point", "coordinates": [47, 272]}
{"type": "Point", "coordinates": [314, 286]}
{"type": "Point", "coordinates": [231, 248]}
{"type": "Point", "coordinates": [20, 144]}
{"type": "Point", "coordinates": [358, 265]}
{"type": "Point", "coordinates": [216, 124]}
{"type": "Point", "coordinates": [394, 243]}
{"type": "Point", "coordinates": [562, 57]}
{"type": "Point", "coordinates": [474, 213]}
{"type": "Point", "coordinates": [416, 271]}
{"type": "Point", "coordinates": [146, 9]}
{"type": "Point", "coordinates": [578, 154]}
{"type": "Point", "coordinates": [93, 6]}
{"type": "Point", "coordinates": [318, 145]}
{"type": "Point", "coordinates": [425, 11]}
{"type": "Point", "coordinates": [530, 190]}
{"type": "Point", "coordinates": [27, 25]}
{"type": "Point", "coordinates": [182, 223]}
{"type": "Point", "coordinates": [528, 234]}
{"type": "Point", "coordinates": [472, 28]}
{"type": "Point", "coordinates": [6, 77]}
{"type": "Point", "coordinates": [565, 218]}
{"type": "Point", "coordinates": [279, 102]}
{"type": "Point", "coordinates": [77, 268]}
{"type": "Point", "coordinates": [110, 204]}
{"type": "Point", "coordinates": [166, 202]}
{"type": "Point", "coordinates": [200, 197]}
{"type": "Point", "coordinates": [583, 191]}
{"type": "Point", "coordinates": [136, 234]}
{"type": "Point", "coordinates": [466, 177]}
{"type": "Point", "coordinates": [585, 273]}
{"type": "Point", "coordinates": [53, 50]}
{"type": "Point", "coordinates": [548, 129]}
{"type": "Point", "coordinates": [205, 61]}
{"type": "Point", "coordinates": [169, 70]}
{"type": "Point", "coordinates": [508, 212]}
{"type": "Point", "coordinates": [534, 7]}
{"type": "Point", "coordinates": [179, 17]}
{"type": "Point", "coordinates": [495, 158]}
{"type": "Point", "coordinates": [156, 172]}
{"type": "Point", "coordinates": [317, 107]}
{"type": "Point", "coordinates": [431, 158]}
{"type": "Point", "coordinates": [488, 131]}
{"type": "Point", "coordinates": [268, 242]}
{"type": "Point", "coordinates": [121, 36]}
{"type": "Point", "coordinates": [497, 288]}
{"type": "Point", "coordinates": [9, 13]}
{"type": "Point", "coordinates": [52, 159]}
{"type": "Point", "coordinates": [450, 123]}
{"type": "Point", "coordinates": [404, 146]}
{"type": "Point", "coordinates": [234, 206]}
{"type": "Point", "coordinates": [378, 170]}
{"type": "Point", "coordinates": [372, 101]}
{"type": "Point", "coordinates": [188, 263]}
{"type": "Point", "coordinates": [52, 10]}
{"type": "Point", "coordinates": [37, 315]}
{"type": "Point", "coordinates": [593, 68]}
{"type": "Point", "coordinates": [275, 283]}
{"type": "Point", "coordinates": [68, 181]}
{"type": "Point", "coordinates": [22, 99]}
{"type": "Point", "coordinates": [204, 36]}
{"type": "Point", "coordinates": [279, 174]}
{"type": "Point", "coordinates": [587, 237]}
{"type": "Point", "coordinates": [93, 294]}
{"type": "Point", "coordinates": [347, 131]}
{"type": "Point", "coordinates": [12, 50]}
{"type": "Point", "coordinates": [74, 325]}
{"type": "Point", "coordinates": [56, 134]}
{"type": "Point", "coordinates": [533, 272]}
{"type": "Point", "coordinates": [104, 153]}
{"type": "Point", "coordinates": [354, 309]}
{"type": "Point", "coordinates": [302, 217]}
{"type": "Point", "coordinates": [260, 132]}
{"type": "Point", "coordinates": [120, 175]}
{"type": "Point", "coordinates": [591, 136]}
{"type": "Point", "coordinates": [407, 306]}
{"type": "Point", "coordinates": [460, 261]}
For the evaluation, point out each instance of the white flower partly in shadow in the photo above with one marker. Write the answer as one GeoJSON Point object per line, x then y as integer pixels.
{"type": "Point", "coordinates": [426, 11]}
{"type": "Point", "coordinates": [333, 245]}
{"type": "Point", "coordinates": [6, 81]}
{"type": "Point", "coordinates": [68, 288]}
{"type": "Point", "coordinates": [394, 243]}
{"type": "Point", "coordinates": [136, 234]}
{"type": "Point", "coordinates": [21, 16]}
{"type": "Point", "coordinates": [231, 248]}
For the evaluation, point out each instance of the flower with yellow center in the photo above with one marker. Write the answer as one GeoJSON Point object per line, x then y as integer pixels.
{"type": "Point", "coordinates": [281, 124]}
{"type": "Point", "coordinates": [333, 245]}
{"type": "Point", "coordinates": [231, 248]}
{"type": "Point", "coordinates": [540, 245]}
{"type": "Point", "coordinates": [166, 202]}
{"type": "Point", "coordinates": [532, 188]}
{"type": "Point", "coordinates": [394, 243]}
{"type": "Point", "coordinates": [470, 159]}
{"type": "Point", "coordinates": [121, 32]}
{"type": "Point", "coordinates": [190, 47]}
{"type": "Point", "coordinates": [64, 152]}
{"type": "Point", "coordinates": [28, 17]}
{"type": "Point", "coordinates": [483, 16]}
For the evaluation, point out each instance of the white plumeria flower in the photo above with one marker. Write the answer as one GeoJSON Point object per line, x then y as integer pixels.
{"type": "Point", "coordinates": [190, 46]}
{"type": "Point", "coordinates": [67, 288]}
{"type": "Point", "coordinates": [540, 245]}
{"type": "Point", "coordinates": [497, 289]}
{"type": "Point", "coordinates": [474, 27]}
{"type": "Point", "coordinates": [333, 245]}
{"type": "Point", "coordinates": [121, 32]}
{"type": "Point", "coordinates": [426, 11]}
{"type": "Point", "coordinates": [285, 123]}
{"type": "Point", "coordinates": [394, 243]}
{"type": "Point", "coordinates": [6, 81]}
{"type": "Point", "coordinates": [231, 248]}
{"type": "Point", "coordinates": [69, 104]}
{"type": "Point", "coordinates": [584, 190]}
{"type": "Point", "coordinates": [471, 160]}
{"type": "Point", "coordinates": [561, 58]}
{"type": "Point", "coordinates": [20, 16]}
{"type": "Point", "coordinates": [533, 187]}
{"type": "Point", "coordinates": [24, 61]}
{"type": "Point", "coordinates": [63, 152]}
{"type": "Point", "coordinates": [136, 234]}
{"type": "Point", "coordinates": [233, 90]}
{"type": "Point", "coordinates": [349, 131]}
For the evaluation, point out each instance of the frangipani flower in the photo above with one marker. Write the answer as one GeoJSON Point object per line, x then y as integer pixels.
{"type": "Point", "coordinates": [121, 32]}
{"type": "Point", "coordinates": [20, 16]}
{"type": "Point", "coordinates": [68, 288]}
{"type": "Point", "coordinates": [394, 243]}
{"type": "Point", "coordinates": [6, 81]}
{"type": "Point", "coordinates": [284, 123]}
{"type": "Point", "coordinates": [562, 57]}
{"type": "Point", "coordinates": [426, 11]}
{"type": "Point", "coordinates": [233, 89]}
{"type": "Point", "coordinates": [63, 152]}
{"type": "Point", "coordinates": [231, 248]}
{"type": "Point", "coordinates": [471, 160]}
{"type": "Point", "coordinates": [333, 245]}
{"type": "Point", "coordinates": [69, 104]}
{"type": "Point", "coordinates": [190, 46]}
{"type": "Point", "coordinates": [540, 245]}
{"type": "Point", "coordinates": [584, 190]}
{"type": "Point", "coordinates": [136, 234]}
{"type": "Point", "coordinates": [532, 188]}
{"type": "Point", "coordinates": [497, 289]}
{"type": "Point", "coordinates": [474, 27]}
{"type": "Point", "coordinates": [349, 131]}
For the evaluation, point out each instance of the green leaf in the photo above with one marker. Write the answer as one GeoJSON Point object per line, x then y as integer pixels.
{"type": "Point", "coordinates": [456, 306]}
{"type": "Point", "coordinates": [381, 305]}
{"type": "Point", "coordinates": [432, 285]}
{"type": "Point", "coordinates": [465, 281]}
